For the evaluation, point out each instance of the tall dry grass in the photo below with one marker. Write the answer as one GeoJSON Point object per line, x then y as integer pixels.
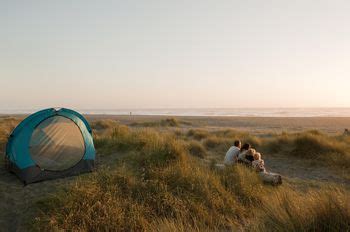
{"type": "Point", "coordinates": [161, 186]}
{"type": "Point", "coordinates": [7, 125]}
{"type": "Point", "coordinates": [286, 210]}
{"type": "Point", "coordinates": [168, 122]}
{"type": "Point", "coordinates": [123, 200]}
{"type": "Point", "coordinates": [197, 149]}
{"type": "Point", "coordinates": [329, 150]}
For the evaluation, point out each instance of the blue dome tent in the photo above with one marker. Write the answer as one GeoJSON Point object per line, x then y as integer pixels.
{"type": "Point", "coordinates": [49, 144]}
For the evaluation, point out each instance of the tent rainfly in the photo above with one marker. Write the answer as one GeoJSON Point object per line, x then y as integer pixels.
{"type": "Point", "coordinates": [50, 144]}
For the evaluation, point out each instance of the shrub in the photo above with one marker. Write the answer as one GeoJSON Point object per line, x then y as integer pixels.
{"type": "Point", "coordinates": [104, 124]}
{"type": "Point", "coordinates": [195, 148]}
{"type": "Point", "coordinates": [313, 146]}
{"type": "Point", "coordinates": [168, 122]}
{"type": "Point", "coordinates": [280, 144]}
{"type": "Point", "coordinates": [198, 134]}
{"type": "Point", "coordinates": [172, 122]}
{"type": "Point", "coordinates": [115, 139]}
{"type": "Point", "coordinates": [217, 144]}
{"type": "Point", "coordinates": [159, 149]}
{"type": "Point", "coordinates": [7, 125]}
{"type": "Point", "coordinates": [213, 142]}
{"type": "Point", "coordinates": [244, 183]}
{"type": "Point", "coordinates": [325, 210]}
{"type": "Point", "coordinates": [152, 148]}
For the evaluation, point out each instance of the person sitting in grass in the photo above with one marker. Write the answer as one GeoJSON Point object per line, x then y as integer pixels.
{"type": "Point", "coordinates": [258, 164]}
{"type": "Point", "coordinates": [246, 154]}
{"type": "Point", "coordinates": [231, 156]}
{"type": "Point", "coordinates": [268, 177]}
{"type": "Point", "coordinates": [252, 159]}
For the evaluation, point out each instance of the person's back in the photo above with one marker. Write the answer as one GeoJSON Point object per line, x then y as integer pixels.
{"type": "Point", "coordinates": [232, 154]}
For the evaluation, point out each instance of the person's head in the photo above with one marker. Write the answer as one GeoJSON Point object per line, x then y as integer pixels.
{"type": "Point", "coordinates": [251, 152]}
{"type": "Point", "coordinates": [238, 144]}
{"type": "Point", "coordinates": [245, 147]}
{"type": "Point", "coordinates": [257, 156]}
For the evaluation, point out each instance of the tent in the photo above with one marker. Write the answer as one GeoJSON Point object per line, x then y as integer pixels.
{"type": "Point", "coordinates": [49, 144]}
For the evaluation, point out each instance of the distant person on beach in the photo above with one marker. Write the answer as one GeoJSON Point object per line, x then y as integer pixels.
{"type": "Point", "coordinates": [346, 132]}
{"type": "Point", "coordinates": [231, 156]}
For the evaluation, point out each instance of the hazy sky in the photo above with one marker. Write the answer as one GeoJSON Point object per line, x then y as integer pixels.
{"type": "Point", "coordinates": [155, 54]}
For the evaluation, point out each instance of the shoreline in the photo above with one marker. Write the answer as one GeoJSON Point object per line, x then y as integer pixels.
{"type": "Point", "coordinates": [185, 116]}
{"type": "Point", "coordinates": [206, 112]}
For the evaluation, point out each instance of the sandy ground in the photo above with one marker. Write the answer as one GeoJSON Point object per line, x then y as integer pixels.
{"type": "Point", "coordinates": [256, 125]}
{"type": "Point", "coordinates": [17, 200]}
{"type": "Point", "coordinates": [304, 170]}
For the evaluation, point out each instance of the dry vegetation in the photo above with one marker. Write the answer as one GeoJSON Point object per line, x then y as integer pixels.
{"type": "Point", "coordinates": [168, 122]}
{"type": "Point", "coordinates": [157, 180]}
{"type": "Point", "coordinates": [159, 183]}
{"type": "Point", "coordinates": [333, 151]}
{"type": "Point", "coordinates": [7, 124]}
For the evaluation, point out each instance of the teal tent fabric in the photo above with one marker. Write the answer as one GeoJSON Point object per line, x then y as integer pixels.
{"type": "Point", "coordinates": [49, 144]}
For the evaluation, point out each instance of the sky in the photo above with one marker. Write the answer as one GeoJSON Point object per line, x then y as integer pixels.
{"type": "Point", "coordinates": [174, 54]}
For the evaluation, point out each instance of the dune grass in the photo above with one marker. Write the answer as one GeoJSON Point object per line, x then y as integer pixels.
{"type": "Point", "coordinates": [156, 180]}
{"type": "Point", "coordinates": [168, 122]}
{"type": "Point", "coordinates": [198, 134]}
{"type": "Point", "coordinates": [159, 182]}
{"type": "Point", "coordinates": [325, 210]}
{"type": "Point", "coordinates": [6, 127]}
{"type": "Point", "coordinates": [162, 185]}
{"type": "Point", "coordinates": [333, 151]}
{"type": "Point", "coordinates": [197, 149]}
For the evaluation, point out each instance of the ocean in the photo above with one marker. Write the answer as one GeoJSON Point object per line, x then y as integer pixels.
{"type": "Point", "coordinates": [240, 112]}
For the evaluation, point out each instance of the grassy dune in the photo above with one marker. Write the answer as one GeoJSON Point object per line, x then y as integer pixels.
{"type": "Point", "coordinates": [7, 124]}
{"type": "Point", "coordinates": [162, 178]}
{"type": "Point", "coordinates": [159, 183]}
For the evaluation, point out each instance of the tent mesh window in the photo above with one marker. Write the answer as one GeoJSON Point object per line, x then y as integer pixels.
{"type": "Point", "coordinates": [57, 144]}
